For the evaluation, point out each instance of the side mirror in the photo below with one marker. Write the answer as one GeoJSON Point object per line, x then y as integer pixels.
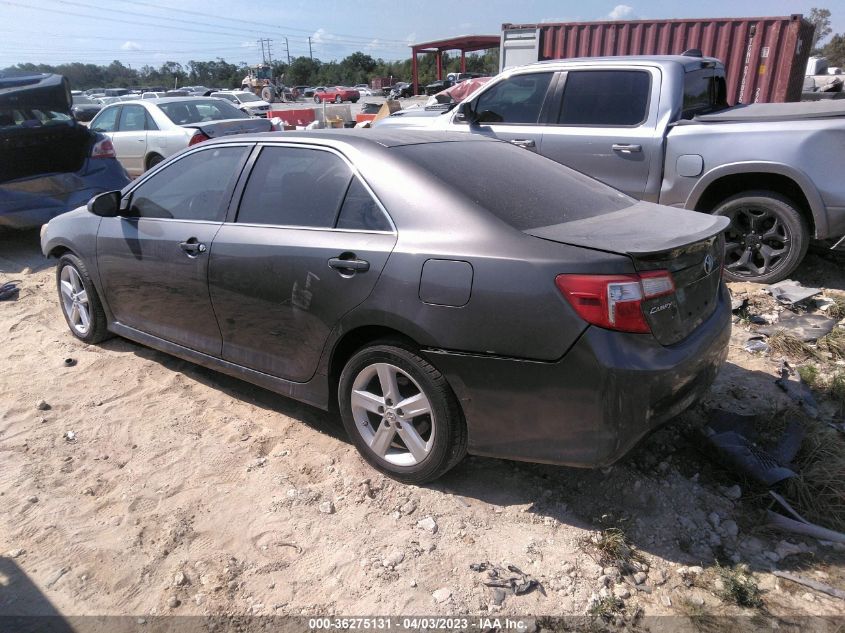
{"type": "Point", "coordinates": [106, 205]}
{"type": "Point", "coordinates": [466, 114]}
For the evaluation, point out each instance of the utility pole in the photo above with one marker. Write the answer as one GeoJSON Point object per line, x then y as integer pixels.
{"type": "Point", "coordinates": [266, 56]}
{"type": "Point", "coordinates": [310, 54]}
{"type": "Point", "coordinates": [287, 50]}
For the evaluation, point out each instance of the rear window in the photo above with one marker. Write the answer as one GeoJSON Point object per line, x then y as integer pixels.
{"type": "Point", "coordinates": [704, 92]}
{"type": "Point", "coordinates": [605, 97]}
{"type": "Point", "coordinates": [516, 185]}
{"type": "Point", "coordinates": [200, 110]}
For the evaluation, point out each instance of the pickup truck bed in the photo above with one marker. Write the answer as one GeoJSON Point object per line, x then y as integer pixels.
{"type": "Point", "coordinates": [769, 112]}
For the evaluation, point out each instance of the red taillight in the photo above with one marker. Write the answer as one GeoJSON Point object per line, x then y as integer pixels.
{"type": "Point", "coordinates": [103, 149]}
{"type": "Point", "coordinates": [198, 137]}
{"type": "Point", "coordinates": [615, 301]}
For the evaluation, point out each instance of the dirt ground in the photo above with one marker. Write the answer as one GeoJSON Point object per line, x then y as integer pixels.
{"type": "Point", "coordinates": [184, 491]}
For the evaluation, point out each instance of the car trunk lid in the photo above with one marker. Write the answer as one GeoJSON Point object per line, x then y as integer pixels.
{"type": "Point", "coordinates": [687, 244]}
{"type": "Point", "coordinates": [215, 129]}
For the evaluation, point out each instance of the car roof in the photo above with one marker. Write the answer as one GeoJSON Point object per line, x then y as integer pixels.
{"type": "Point", "coordinates": [385, 137]}
{"type": "Point", "coordinates": [687, 61]}
{"type": "Point", "coordinates": [185, 99]}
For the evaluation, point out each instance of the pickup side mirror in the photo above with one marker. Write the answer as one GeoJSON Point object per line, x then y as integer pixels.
{"type": "Point", "coordinates": [466, 114]}
{"type": "Point", "coordinates": [106, 205]}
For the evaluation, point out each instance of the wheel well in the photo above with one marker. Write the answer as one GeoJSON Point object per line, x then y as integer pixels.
{"type": "Point", "coordinates": [149, 157]}
{"type": "Point", "coordinates": [351, 342]}
{"type": "Point", "coordinates": [728, 186]}
{"type": "Point", "coordinates": [58, 251]}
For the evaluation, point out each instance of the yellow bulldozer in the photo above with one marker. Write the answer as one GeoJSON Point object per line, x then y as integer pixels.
{"type": "Point", "coordinates": [260, 81]}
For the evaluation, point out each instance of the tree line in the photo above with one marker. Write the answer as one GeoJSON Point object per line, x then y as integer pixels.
{"type": "Point", "coordinates": [354, 69]}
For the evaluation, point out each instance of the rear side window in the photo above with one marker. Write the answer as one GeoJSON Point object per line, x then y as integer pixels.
{"type": "Point", "coordinates": [360, 211]}
{"type": "Point", "coordinates": [519, 187]}
{"type": "Point", "coordinates": [518, 99]}
{"type": "Point", "coordinates": [704, 91]}
{"type": "Point", "coordinates": [133, 118]}
{"type": "Point", "coordinates": [106, 120]}
{"type": "Point", "coordinates": [192, 188]}
{"type": "Point", "coordinates": [292, 186]}
{"type": "Point", "coordinates": [605, 97]}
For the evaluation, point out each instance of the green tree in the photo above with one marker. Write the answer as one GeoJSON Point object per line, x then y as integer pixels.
{"type": "Point", "coordinates": [820, 18]}
{"type": "Point", "coordinates": [834, 50]}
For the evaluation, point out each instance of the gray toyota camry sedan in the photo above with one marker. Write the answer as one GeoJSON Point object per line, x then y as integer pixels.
{"type": "Point", "coordinates": [446, 295]}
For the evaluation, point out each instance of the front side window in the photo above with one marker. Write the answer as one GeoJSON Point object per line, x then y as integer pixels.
{"type": "Point", "coordinates": [518, 99]}
{"type": "Point", "coordinates": [192, 188]}
{"type": "Point", "coordinates": [292, 186]}
{"type": "Point", "coordinates": [605, 97]}
{"type": "Point", "coordinates": [106, 120]}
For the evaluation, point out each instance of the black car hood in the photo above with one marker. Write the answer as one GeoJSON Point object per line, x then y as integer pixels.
{"type": "Point", "coordinates": [41, 91]}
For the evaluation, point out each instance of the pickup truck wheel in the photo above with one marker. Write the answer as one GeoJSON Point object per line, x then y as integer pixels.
{"type": "Point", "coordinates": [400, 413]}
{"type": "Point", "coordinates": [767, 238]}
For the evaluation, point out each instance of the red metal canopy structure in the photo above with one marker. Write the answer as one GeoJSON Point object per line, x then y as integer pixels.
{"type": "Point", "coordinates": [463, 43]}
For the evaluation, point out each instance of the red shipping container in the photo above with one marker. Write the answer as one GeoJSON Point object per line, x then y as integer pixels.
{"type": "Point", "coordinates": [764, 58]}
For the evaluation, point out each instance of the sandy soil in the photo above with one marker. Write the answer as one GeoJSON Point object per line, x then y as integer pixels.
{"type": "Point", "coordinates": [184, 491]}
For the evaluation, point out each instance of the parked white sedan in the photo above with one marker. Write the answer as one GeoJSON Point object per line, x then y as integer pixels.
{"type": "Point", "coordinates": [245, 101]}
{"type": "Point", "coordinates": [145, 132]}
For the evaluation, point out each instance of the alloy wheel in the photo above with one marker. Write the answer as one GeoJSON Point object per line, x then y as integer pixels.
{"type": "Point", "coordinates": [756, 242]}
{"type": "Point", "coordinates": [392, 414]}
{"type": "Point", "coordinates": [75, 300]}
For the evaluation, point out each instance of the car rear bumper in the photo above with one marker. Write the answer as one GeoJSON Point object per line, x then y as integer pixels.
{"type": "Point", "coordinates": [592, 406]}
{"type": "Point", "coordinates": [31, 202]}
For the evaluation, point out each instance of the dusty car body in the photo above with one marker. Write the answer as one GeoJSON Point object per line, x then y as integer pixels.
{"type": "Point", "coordinates": [659, 128]}
{"type": "Point", "coordinates": [521, 309]}
{"type": "Point", "coordinates": [145, 132]}
{"type": "Point", "coordinates": [49, 163]}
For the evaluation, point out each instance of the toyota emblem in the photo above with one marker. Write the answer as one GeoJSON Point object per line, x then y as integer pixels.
{"type": "Point", "coordinates": [709, 263]}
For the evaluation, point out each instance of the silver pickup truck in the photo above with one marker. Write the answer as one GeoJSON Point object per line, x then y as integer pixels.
{"type": "Point", "coordinates": [659, 128]}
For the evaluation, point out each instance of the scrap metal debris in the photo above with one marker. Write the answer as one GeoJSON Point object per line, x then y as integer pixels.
{"type": "Point", "coordinates": [798, 524]}
{"type": "Point", "coordinates": [798, 390]}
{"type": "Point", "coordinates": [734, 438]}
{"type": "Point", "coordinates": [812, 584]}
{"type": "Point", "coordinates": [756, 344]}
{"type": "Point", "coordinates": [792, 292]}
{"type": "Point", "coordinates": [509, 578]}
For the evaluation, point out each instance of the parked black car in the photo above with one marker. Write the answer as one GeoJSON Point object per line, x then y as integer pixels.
{"type": "Point", "coordinates": [85, 109]}
{"type": "Point", "coordinates": [438, 86]}
{"type": "Point", "coordinates": [401, 89]}
{"type": "Point", "coordinates": [49, 163]}
{"type": "Point", "coordinates": [517, 309]}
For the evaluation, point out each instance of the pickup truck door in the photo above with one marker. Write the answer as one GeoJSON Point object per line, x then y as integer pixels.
{"type": "Point", "coordinates": [515, 109]}
{"type": "Point", "coordinates": [605, 125]}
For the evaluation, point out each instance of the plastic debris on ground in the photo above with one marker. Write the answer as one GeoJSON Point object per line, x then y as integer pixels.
{"type": "Point", "coordinates": [792, 292]}
{"type": "Point", "coordinates": [509, 579]}
{"type": "Point", "coordinates": [798, 390]}
{"type": "Point", "coordinates": [733, 436]}
{"type": "Point", "coordinates": [9, 291]}
{"type": "Point", "coordinates": [756, 344]}
{"type": "Point", "coordinates": [804, 327]}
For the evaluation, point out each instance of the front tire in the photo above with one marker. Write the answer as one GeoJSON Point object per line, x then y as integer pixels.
{"type": "Point", "coordinates": [316, 99]}
{"type": "Point", "coordinates": [338, 99]}
{"type": "Point", "coordinates": [400, 413]}
{"type": "Point", "coordinates": [767, 238]}
{"type": "Point", "coordinates": [79, 300]}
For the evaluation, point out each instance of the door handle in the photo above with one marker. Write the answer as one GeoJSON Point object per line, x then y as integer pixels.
{"type": "Point", "coordinates": [349, 265]}
{"type": "Point", "coordinates": [524, 142]}
{"type": "Point", "coordinates": [193, 247]}
{"type": "Point", "coordinates": [626, 148]}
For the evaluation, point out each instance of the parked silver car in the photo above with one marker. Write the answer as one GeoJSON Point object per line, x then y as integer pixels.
{"type": "Point", "coordinates": [145, 132]}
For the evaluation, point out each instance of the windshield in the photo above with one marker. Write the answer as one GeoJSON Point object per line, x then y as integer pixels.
{"type": "Point", "coordinates": [530, 191]}
{"type": "Point", "coordinates": [200, 110]}
{"type": "Point", "coordinates": [247, 96]}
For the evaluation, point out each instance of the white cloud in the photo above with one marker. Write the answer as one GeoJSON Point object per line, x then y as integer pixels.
{"type": "Point", "coordinates": [321, 36]}
{"type": "Point", "coordinates": [248, 44]}
{"type": "Point", "coordinates": [622, 12]}
{"type": "Point", "coordinates": [130, 46]}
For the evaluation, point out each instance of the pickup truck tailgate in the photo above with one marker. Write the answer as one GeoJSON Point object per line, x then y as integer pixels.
{"type": "Point", "coordinates": [690, 245]}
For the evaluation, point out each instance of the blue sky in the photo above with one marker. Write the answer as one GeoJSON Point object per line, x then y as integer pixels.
{"type": "Point", "coordinates": [139, 32]}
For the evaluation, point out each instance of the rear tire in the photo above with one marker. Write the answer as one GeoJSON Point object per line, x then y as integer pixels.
{"type": "Point", "coordinates": [79, 300]}
{"type": "Point", "coordinates": [415, 444]}
{"type": "Point", "coordinates": [338, 99]}
{"type": "Point", "coordinates": [154, 160]}
{"type": "Point", "coordinates": [316, 99]}
{"type": "Point", "coordinates": [767, 238]}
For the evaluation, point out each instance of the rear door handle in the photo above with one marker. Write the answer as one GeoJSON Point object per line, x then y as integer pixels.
{"type": "Point", "coordinates": [524, 142]}
{"type": "Point", "coordinates": [346, 265]}
{"type": "Point", "coordinates": [626, 148]}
